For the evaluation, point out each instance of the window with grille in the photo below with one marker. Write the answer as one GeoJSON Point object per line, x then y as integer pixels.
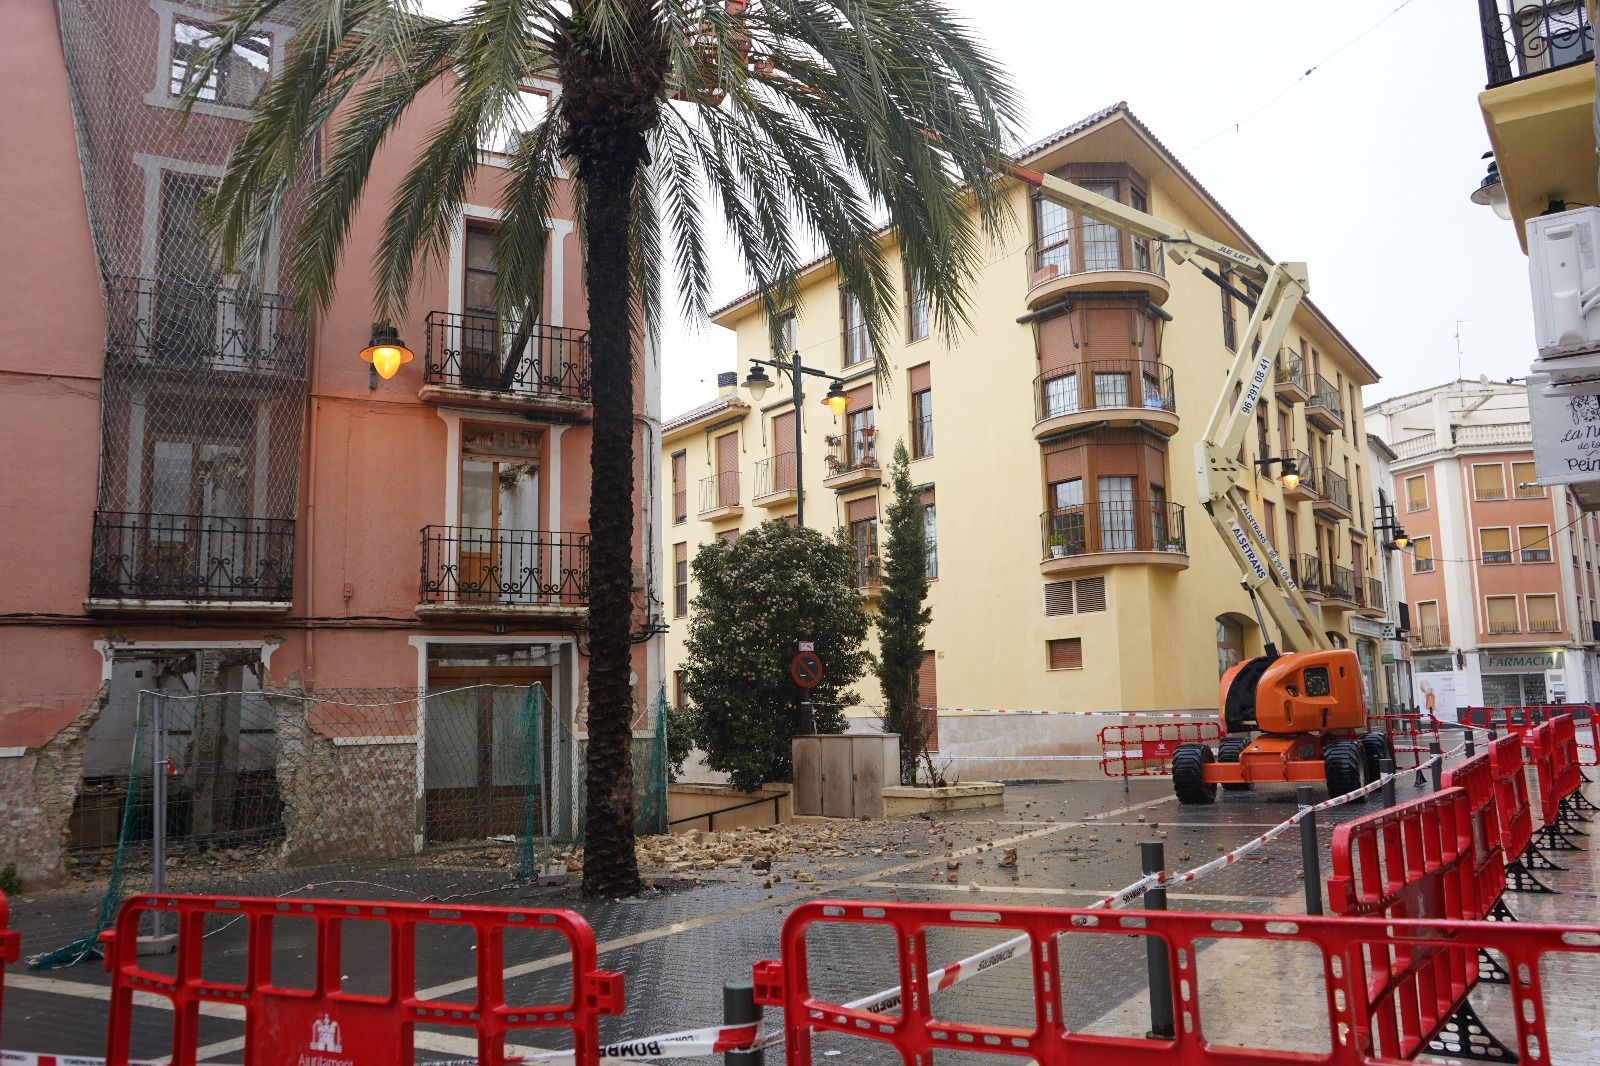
{"type": "Point", "coordinates": [237, 80]}
{"type": "Point", "coordinates": [1503, 614]}
{"type": "Point", "coordinates": [1542, 616]}
{"type": "Point", "coordinates": [1422, 555]}
{"type": "Point", "coordinates": [1065, 654]}
{"type": "Point", "coordinates": [680, 579]}
{"type": "Point", "coordinates": [1494, 545]}
{"type": "Point", "coordinates": [1525, 482]}
{"type": "Point", "coordinates": [1229, 328]}
{"type": "Point", "coordinates": [1489, 481]}
{"type": "Point", "coordinates": [1102, 246]}
{"type": "Point", "coordinates": [783, 338]}
{"type": "Point", "coordinates": [1417, 493]}
{"type": "Point", "coordinates": [1052, 228]}
{"type": "Point", "coordinates": [680, 487]}
{"type": "Point", "coordinates": [857, 341]}
{"type": "Point", "coordinates": [930, 534]}
{"type": "Point", "coordinates": [916, 309]}
{"type": "Point", "coordinates": [922, 423]}
{"type": "Point", "coordinates": [1535, 543]}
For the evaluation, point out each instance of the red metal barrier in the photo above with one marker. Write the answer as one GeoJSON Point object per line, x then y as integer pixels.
{"type": "Point", "coordinates": [10, 947]}
{"type": "Point", "coordinates": [1145, 750]}
{"type": "Point", "coordinates": [1360, 987]}
{"type": "Point", "coordinates": [1409, 733]}
{"type": "Point", "coordinates": [291, 1026]}
{"type": "Point", "coordinates": [1476, 778]}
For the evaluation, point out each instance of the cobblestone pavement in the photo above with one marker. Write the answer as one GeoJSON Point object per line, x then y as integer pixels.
{"type": "Point", "coordinates": [677, 945]}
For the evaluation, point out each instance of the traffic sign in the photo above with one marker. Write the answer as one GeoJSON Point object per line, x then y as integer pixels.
{"type": "Point", "coordinates": [806, 669]}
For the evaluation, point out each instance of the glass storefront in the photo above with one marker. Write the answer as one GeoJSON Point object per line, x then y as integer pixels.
{"type": "Point", "coordinates": [1513, 690]}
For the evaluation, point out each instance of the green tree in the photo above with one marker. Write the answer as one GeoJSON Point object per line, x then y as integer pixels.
{"type": "Point", "coordinates": [903, 616]}
{"type": "Point", "coordinates": [800, 122]}
{"type": "Point", "coordinates": [756, 599]}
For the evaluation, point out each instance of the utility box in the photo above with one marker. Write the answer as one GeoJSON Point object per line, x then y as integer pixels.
{"type": "Point", "coordinates": [842, 775]}
{"type": "Point", "coordinates": [1564, 274]}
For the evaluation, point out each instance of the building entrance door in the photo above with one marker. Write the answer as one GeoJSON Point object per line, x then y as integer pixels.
{"type": "Point", "coordinates": [487, 751]}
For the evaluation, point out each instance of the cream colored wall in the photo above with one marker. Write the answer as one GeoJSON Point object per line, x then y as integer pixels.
{"type": "Point", "coordinates": [1155, 647]}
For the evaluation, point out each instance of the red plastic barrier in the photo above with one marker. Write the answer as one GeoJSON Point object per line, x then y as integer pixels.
{"type": "Point", "coordinates": [1415, 860]}
{"type": "Point", "coordinates": [1477, 779]}
{"type": "Point", "coordinates": [1145, 750]}
{"type": "Point", "coordinates": [1541, 742]}
{"type": "Point", "coordinates": [1408, 733]}
{"type": "Point", "coordinates": [1360, 989]}
{"type": "Point", "coordinates": [1511, 795]}
{"type": "Point", "coordinates": [293, 1026]}
{"type": "Point", "coordinates": [1517, 721]}
{"type": "Point", "coordinates": [10, 947]}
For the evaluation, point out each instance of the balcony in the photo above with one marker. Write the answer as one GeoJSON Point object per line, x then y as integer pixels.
{"type": "Point", "coordinates": [1333, 495]}
{"type": "Point", "coordinates": [1434, 636]}
{"type": "Point", "coordinates": [1420, 565]}
{"type": "Point", "coordinates": [1119, 391]}
{"type": "Point", "coordinates": [1536, 555]}
{"type": "Point", "coordinates": [719, 496]}
{"type": "Point", "coordinates": [1544, 625]}
{"type": "Point", "coordinates": [1342, 587]}
{"type": "Point", "coordinates": [166, 325]}
{"type": "Point", "coordinates": [856, 461]}
{"type": "Point", "coordinates": [1376, 603]}
{"type": "Point", "coordinates": [869, 576]}
{"type": "Point", "coordinates": [483, 361]}
{"type": "Point", "coordinates": [503, 573]}
{"type": "Point", "coordinates": [166, 562]}
{"type": "Point", "coordinates": [775, 481]}
{"type": "Point", "coordinates": [1290, 377]}
{"type": "Point", "coordinates": [1109, 261]}
{"type": "Point", "coordinates": [1113, 533]}
{"type": "Point", "coordinates": [1307, 487]}
{"type": "Point", "coordinates": [1307, 572]}
{"type": "Point", "coordinates": [1504, 626]}
{"type": "Point", "coordinates": [1529, 38]}
{"type": "Point", "coordinates": [1324, 408]}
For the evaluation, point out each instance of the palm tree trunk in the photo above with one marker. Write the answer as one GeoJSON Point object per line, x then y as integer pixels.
{"type": "Point", "coordinates": [609, 169]}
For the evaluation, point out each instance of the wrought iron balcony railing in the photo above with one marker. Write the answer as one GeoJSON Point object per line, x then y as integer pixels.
{"type": "Point", "coordinates": [1523, 38]}
{"type": "Point", "coordinates": [1435, 636]}
{"type": "Point", "coordinates": [1291, 369]}
{"type": "Point", "coordinates": [514, 360]}
{"type": "Point", "coordinates": [1308, 473]}
{"type": "Point", "coordinates": [1504, 625]}
{"type": "Point", "coordinates": [1102, 384]}
{"type": "Point", "coordinates": [1422, 564]}
{"type": "Point", "coordinates": [921, 436]}
{"type": "Point", "coordinates": [775, 474]}
{"type": "Point", "coordinates": [1334, 488]}
{"type": "Point", "coordinates": [1343, 584]}
{"type": "Point", "coordinates": [1544, 625]}
{"type": "Point", "coordinates": [469, 566]}
{"type": "Point", "coordinates": [1325, 396]}
{"type": "Point", "coordinates": [1106, 248]}
{"type": "Point", "coordinates": [858, 450]}
{"type": "Point", "coordinates": [719, 490]}
{"type": "Point", "coordinates": [1113, 526]}
{"type": "Point", "coordinates": [1375, 596]}
{"type": "Point", "coordinates": [177, 325]}
{"type": "Point", "coordinates": [144, 556]}
{"type": "Point", "coordinates": [1307, 570]}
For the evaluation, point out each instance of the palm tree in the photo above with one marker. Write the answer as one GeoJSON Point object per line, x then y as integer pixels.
{"type": "Point", "coordinates": [803, 123]}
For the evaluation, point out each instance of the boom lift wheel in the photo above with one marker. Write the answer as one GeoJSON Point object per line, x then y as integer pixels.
{"type": "Point", "coordinates": [1343, 763]}
{"type": "Point", "coordinates": [1189, 774]}
{"type": "Point", "coordinates": [1375, 747]}
{"type": "Point", "coordinates": [1228, 751]}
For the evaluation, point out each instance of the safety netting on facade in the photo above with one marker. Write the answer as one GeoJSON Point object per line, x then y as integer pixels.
{"type": "Point", "coordinates": [205, 372]}
{"type": "Point", "coordinates": [445, 794]}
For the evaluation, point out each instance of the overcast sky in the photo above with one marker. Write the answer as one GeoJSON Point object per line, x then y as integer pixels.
{"type": "Point", "coordinates": [1362, 168]}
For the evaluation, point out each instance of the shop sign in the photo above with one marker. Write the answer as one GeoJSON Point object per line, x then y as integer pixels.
{"type": "Point", "coordinates": [1366, 627]}
{"type": "Point", "coordinates": [1521, 662]}
{"type": "Point", "coordinates": [1436, 664]}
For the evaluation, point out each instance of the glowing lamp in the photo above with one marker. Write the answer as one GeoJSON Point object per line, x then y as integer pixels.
{"type": "Point", "coordinates": [387, 353]}
{"type": "Point", "coordinates": [836, 400]}
{"type": "Point", "coordinates": [1291, 475]}
{"type": "Point", "coordinates": [1401, 540]}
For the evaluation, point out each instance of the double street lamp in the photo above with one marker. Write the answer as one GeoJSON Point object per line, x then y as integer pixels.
{"type": "Point", "coordinates": [835, 401]}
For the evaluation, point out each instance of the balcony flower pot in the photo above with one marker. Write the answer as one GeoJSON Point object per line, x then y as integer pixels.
{"type": "Point", "coordinates": [833, 440]}
{"type": "Point", "coordinates": [1058, 551]}
{"type": "Point", "coordinates": [1174, 546]}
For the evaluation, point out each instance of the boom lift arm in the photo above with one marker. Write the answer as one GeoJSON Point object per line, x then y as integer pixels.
{"type": "Point", "coordinates": [1219, 473]}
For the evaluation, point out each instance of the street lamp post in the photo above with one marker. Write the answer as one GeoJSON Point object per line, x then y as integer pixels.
{"type": "Point", "coordinates": [758, 383]}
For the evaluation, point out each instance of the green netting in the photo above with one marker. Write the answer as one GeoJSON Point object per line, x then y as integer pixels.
{"type": "Point", "coordinates": [649, 777]}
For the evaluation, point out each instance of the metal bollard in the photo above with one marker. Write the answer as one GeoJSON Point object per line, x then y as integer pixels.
{"type": "Point", "coordinates": [1152, 859]}
{"type": "Point", "coordinates": [739, 1008]}
{"type": "Point", "coordinates": [1436, 772]}
{"type": "Point", "coordinates": [1310, 857]}
{"type": "Point", "coordinates": [1494, 734]}
{"type": "Point", "coordinates": [1472, 743]}
{"type": "Point", "coordinates": [1386, 768]}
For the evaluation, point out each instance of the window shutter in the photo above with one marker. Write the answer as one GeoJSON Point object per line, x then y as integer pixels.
{"type": "Point", "coordinates": [862, 509]}
{"type": "Point", "coordinates": [1495, 540]}
{"type": "Point", "coordinates": [928, 680]}
{"type": "Point", "coordinates": [1056, 349]}
{"type": "Point", "coordinates": [921, 378]}
{"type": "Point", "coordinates": [1066, 654]}
{"type": "Point", "coordinates": [1542, 614]}
{"type": "Point", "coordinates": [1525, 474]}
{"type": "Point", "coordinates": [1063, 463]}
{"type": "Point", "coordinates": [1489, 482]}
{"type": "Point", "coordinates": [1416, 493]}
{"type": "Point", "coordinates": [1057, 598]}
{"type": "Point", "coordinates": [1502, 614]}
{"type": "Point", "coordinates": [1110, 333]}
{"type": "Point", "coordinates": [859, 399]}
{"type": "Point", "coordinates": [1091, 594]}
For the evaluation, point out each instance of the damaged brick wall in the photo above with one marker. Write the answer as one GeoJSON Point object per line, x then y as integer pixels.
{"type": "Point", "coordinates": [38, 789]}
{"type": "Point", "coordinates": [342, 802]}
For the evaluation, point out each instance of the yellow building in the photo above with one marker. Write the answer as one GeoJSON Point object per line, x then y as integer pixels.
{"type": "Point", "coordinates": [1054, 443]}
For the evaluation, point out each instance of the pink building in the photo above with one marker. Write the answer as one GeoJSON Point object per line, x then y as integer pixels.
{"type": "Point", "coordinates": [1499, 574]}
{"type": "Point", "coordinates": [207, 491]}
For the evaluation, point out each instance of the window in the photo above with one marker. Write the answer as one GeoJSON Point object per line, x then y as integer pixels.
{"type": "Point", "coordinates": [862, 439]}
{"type": "Point", "coordinates": [864, 535]}
{"type": "Point", "coordinates": [680, 487]}
{"type": "Point", "coordinates": [1535, 543]}
{"type": "Point", "coordinates": [1542, 617]}
{"type": "Point", "coordinates": [1503, 614]}
{"type": "Point", "coordinates": [237, 80]}
{"type": "Point", "coordinates": [1101, 243]}
{"type": "Point", "coordinates": [930, 533]}
{"type": "Point", "coordinates": [783, 335]}
{"type": "Point", "coordinates": [677, 688]}
{"type": "Point", "coordinates": [1429, 634]}
{"type": "Point", "coordinates": [1489, 481]}
{"type": "Point", "coordinates": [1162, 536]}
{"type": "Point", "coordinates": [916, 309]}
{"type": "Point", "coordinates": [1116, 513]}
{"type": "Point", "coordinates": [1525, 482]}
{"type": "Point", "coordinates": [1052, 228]}
{"type": "Point", "coordinates": [857, 341]}
{"type": "Point", "coordinates": [1110, 390]}
{"type": "Point", "coordinates": [1229, 332]}
{"type": "Point", "coordinates": [1061, 394]}
{"type": "Point", "coordinates": [1065, 654]}
{"type": "Point", "coordinates": [1066, 518]}
{"type": "Point", "coordinates": [921, 412]}
{"type": "Point", "coordinates": [1494, 545]}
{"type": "Point", "coordinates": [1422, 555]}
{"type": "Point", "coordinates": [1269, 514]}
{"type": "Point", "coordinates": [532, 106]}
{"type": "Point", "coordinates": [1141, 245]}
{"type": "Point", "coordinates": [1417, 493]}
{"type": "Point", "coordinates": [680, 579]}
